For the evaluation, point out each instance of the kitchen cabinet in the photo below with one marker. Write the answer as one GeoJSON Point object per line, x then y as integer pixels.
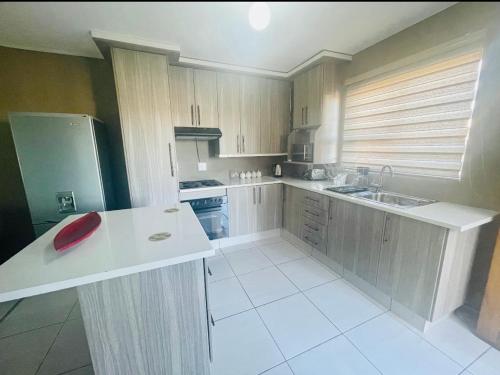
{"type": "Point", "coordinates": [274, 116]}
{"type": "Point", "coordinates": [362, 235]}
{"type": "Point", "coordinates": [250, 115]}
{"type": "Point", "coordinates": [308, 93]}
{"type": "Point", "coordinates": [292, 211]}
{"type": "Point", "coordinates": [270, 206]}
{"type": "Point", "coordinates": [142, 87]}
{"type": "Point", "coordinates": [336, 232]}
{"type": "Point", "coordinates": [228, 98]}
{"type": "Point", "coordinates": [411, 262]}
{"type": "Point", "coordinates": [254, 115]}
{"type": "Point", "coordinates": [254, 209]}
{"type": "Point", "coordinates": [193, 97]}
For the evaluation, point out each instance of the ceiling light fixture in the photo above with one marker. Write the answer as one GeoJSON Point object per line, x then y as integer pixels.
{"type": "Point", "coordinates": [259, 15]}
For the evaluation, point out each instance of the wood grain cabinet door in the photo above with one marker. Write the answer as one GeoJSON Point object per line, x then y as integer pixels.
{"type": "Point", "coordinates": [299, 100]}
{"type": "Point", "coordinates": [142, 87]}
{"type": "Point", "coordinates": [182, 99]}
{"type": "Point", "coordinates": [362, 235]}
{"type": "Point", "coordinates": [417, 250]}
{"type": "Point", "coordinates": [228, 102]}
{"type": "Point", "coordinates": [314, 96]}
{"type": "Point", "coordinates": [274, 116]}
{"type": "Point", "coordinates": [205, 95]}
{"type": "Point", "coordinates": [250, 114]}
{"type": "Point", "coordinates": [242, 204]}
{"type": "Point", "coordinates": [335, 231]}
{"type": "Point", "coordinates": [270, 206]}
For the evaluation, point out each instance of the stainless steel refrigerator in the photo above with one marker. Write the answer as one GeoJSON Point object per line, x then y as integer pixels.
{"type": "Point", "coordinates": [64, 165]}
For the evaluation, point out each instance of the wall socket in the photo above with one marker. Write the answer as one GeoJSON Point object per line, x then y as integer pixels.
{"type": "Point", "coordinates": [202, 167]}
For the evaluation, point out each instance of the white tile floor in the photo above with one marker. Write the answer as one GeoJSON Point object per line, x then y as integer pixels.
{"type": "Point", "coordinates": [278, 312]}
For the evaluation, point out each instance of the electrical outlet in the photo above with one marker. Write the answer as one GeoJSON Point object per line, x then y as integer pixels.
{"type": "Point", "coordinates": [202, 167]}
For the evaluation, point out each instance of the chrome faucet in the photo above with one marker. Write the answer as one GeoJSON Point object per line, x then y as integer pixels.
{"type": "Point", "coordinates": [380, 184]}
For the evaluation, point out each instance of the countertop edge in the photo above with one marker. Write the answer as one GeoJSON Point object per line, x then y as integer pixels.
{"type": "Point", "coordinates": [405, 212]}
{"type": "Point", "coordinates": [101, 276]}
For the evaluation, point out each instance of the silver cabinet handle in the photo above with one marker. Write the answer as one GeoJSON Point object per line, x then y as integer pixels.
{"type": "Point", "coordinates": [254, 195]}
{"type": "Point", "coordinates": [212, 320]}
{"type": "Point", "coordinates": [243, 146]}
{"type": "Point", "coordinates": [302, 123]}
{"type": "Point", "coordinates": [199, 117]}
{"type": "Point", "coordinates": [307, 113]}
{"type": "Point", "coordinates": [260, 194]}
{"type": "Point", "coordinates": [192, 115]}
{"type": "Point", "coordinates": [238, 144]}
{"type": "Point", "coordinates": [209, 271]}
{"type": "Point", "coordinates": [312, 199]}
{"type": "Point", "coordinates": [312, 228]}
{"type": "Point", "coordinates": [386, 229]}
{"type": "Point", "coordinates": [171, 162]}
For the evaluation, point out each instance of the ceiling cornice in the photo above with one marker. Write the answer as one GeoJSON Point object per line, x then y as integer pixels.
{"type": "Point", "coordinates": [104, 40]}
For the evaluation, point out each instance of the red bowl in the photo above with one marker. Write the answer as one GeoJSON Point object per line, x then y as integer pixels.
{"type": "Point", "coordinates": [76, 231]}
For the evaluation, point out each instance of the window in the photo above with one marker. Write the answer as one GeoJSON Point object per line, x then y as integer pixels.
{"type": "Point", "coordinates": [416, 120]}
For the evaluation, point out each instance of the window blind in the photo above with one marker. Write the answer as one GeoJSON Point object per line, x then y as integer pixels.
{"type": "Point", "coordinates": [417, 120]}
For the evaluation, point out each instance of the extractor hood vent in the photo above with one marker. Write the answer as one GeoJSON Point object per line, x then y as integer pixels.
{"type": "Point", "coordinates": [199, 134]}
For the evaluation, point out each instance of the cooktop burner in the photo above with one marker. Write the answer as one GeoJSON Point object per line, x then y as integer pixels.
{"type": "Point", "coordinates": [198, 184]}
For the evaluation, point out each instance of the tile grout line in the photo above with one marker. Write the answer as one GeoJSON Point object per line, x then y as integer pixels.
{"type": "Point", "coordinates": [363, 354]}
{"type": "Point", "coordinates": [350, 329]}
{"type": "Point", "coordinates": [466, 368]}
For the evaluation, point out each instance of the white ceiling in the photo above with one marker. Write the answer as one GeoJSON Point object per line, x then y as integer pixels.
{"type": "Point", "coordinates": [213, 31]}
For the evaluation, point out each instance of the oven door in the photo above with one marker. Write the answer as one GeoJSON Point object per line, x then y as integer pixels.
{"type": "Point", "coordinates": [214, 221]}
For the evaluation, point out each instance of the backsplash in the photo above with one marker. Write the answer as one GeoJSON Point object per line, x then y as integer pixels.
{"type": "Point", "coordinates": [217, 168]}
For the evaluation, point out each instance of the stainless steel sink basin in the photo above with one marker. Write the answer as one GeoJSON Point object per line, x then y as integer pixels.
{"type": "Point", "coordinates": [392, 199]}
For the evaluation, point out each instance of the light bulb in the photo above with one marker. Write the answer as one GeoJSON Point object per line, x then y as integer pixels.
{"type": "Point", "coordinates": [259, 15]}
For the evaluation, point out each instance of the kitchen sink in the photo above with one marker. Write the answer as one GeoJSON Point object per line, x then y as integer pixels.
{"type": "Point", "coordinates": [392, 199]}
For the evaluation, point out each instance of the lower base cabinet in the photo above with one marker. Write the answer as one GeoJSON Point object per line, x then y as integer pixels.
{"type": "Point", "coordinates": [410, 263]}
{"type": "Point", "coordinates": [254, 209]}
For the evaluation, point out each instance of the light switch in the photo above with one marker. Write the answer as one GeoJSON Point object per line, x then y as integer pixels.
{"type": "Point", "coordinates": [202, 167]}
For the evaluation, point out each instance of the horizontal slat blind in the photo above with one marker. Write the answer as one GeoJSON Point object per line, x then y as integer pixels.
{"type": "Point", "coordinates": [417, 121]}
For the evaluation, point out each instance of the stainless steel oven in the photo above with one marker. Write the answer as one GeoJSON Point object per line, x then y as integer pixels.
{"type": "Point", "coordinates": [213, 215]}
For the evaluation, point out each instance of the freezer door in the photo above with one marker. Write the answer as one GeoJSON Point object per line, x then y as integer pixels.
{"type": "Point", "coordinates": [58, 162]}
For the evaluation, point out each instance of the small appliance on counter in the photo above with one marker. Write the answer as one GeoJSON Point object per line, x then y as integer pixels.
{"type": "Point", "coordinates": [277, 172]}
{"type": "Point", "coordinates": [315, 174]}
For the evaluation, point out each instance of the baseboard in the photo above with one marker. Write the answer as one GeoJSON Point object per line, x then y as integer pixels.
{"type": "Point", "coordinates": [252, 237]}
{"type": "Point", "coordinates": [368, 289]}
{"type": "Point", "coordinates": [294, 240]}
{"type": "Point", "coordinates": [337, 268]}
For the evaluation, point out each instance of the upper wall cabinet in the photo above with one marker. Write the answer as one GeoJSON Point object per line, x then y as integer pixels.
{"type": "Point", "coordinates": [309, 91]}
{"type": "Point", "coordinates": [274, 116]}
{"type": "Point", "coordinates": [193, 97]}
{"type": "Point", "coordinates": [254, 115]}
{"type": "Point", "coordinates": [307, 98]}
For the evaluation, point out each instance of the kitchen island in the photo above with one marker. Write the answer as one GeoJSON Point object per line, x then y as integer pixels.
{"type": "Point", "coordinates": [143, 300]}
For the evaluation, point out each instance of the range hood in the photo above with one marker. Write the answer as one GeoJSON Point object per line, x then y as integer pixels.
{"type": "Point", "coordinates": [199, 134]}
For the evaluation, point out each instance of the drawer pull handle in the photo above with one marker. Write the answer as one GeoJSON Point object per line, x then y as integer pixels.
{"type": "Point", "coordinates": [312, 199]}
{"type": "Point", "coordinates": [209, 271]}
{"type": "Point", "coordinates": [312, 213]}
{"type": "Point", "coordinates": [311, 227]}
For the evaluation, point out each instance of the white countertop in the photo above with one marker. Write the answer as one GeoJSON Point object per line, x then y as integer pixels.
{"type": "Point", "coordinates": [444, 214]}
{"type": "Point", "coordinates": [119, 247]}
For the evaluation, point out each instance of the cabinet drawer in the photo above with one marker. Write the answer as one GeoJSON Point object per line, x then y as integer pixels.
{"type": "Point", "coordinates": [314, 239]}
{"type": "Point", "coordinates": [314, 227]}
{"type": "Point", "coordinates": [315, 214]}
{"type": "Point", "coordinates": [316, 200]}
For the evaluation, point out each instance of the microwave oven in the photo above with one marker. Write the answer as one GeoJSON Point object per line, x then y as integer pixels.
{"type": "Point", "coordinates": [302, 152]}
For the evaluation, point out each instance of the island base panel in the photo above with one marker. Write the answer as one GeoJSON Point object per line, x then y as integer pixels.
{"type": "Point", "coordinates": [152, 322]}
